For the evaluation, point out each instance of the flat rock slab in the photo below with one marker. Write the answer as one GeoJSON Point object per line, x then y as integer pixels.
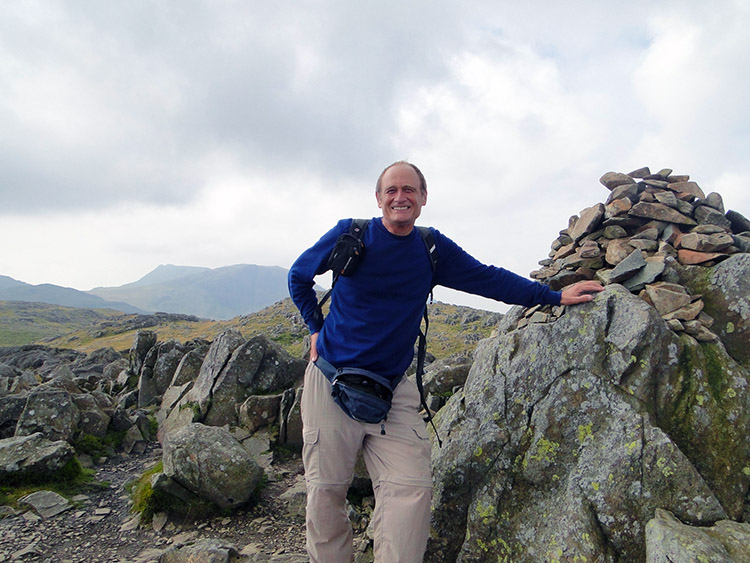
{"type": "Point", "coordinates": [46, 503]}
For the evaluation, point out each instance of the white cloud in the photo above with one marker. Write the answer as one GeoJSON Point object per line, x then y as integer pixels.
{"type": "Point", "coordinates": [215, 133]}
{"type": "Point", "coordinates": [693, 83]}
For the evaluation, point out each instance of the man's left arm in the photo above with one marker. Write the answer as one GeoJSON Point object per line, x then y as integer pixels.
{"type": "Point", "coordinates": [459, 270]}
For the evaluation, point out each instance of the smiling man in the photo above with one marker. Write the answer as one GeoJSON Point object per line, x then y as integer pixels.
{"type": "Point", "coordinates": [369, 333]}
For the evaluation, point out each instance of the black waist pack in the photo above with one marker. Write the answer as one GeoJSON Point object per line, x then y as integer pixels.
{"type": "Point", "coordinates": [363, 395]}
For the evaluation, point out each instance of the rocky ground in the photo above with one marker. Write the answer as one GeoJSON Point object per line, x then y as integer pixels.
{"type": "Point", "coordinates": [101, 528]}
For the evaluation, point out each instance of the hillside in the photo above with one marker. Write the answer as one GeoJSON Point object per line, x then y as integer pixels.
{"type": "Point", "coordinates": [14, 290]}
{"type": "Point", "coordinates": [453, 329]}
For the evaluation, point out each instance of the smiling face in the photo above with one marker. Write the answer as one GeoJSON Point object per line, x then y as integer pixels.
{"type": "Point", "coordinates": [400, 195]}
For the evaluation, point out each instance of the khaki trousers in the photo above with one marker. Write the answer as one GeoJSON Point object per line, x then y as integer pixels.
{"type": "Point", "coordinates": [398, 463]}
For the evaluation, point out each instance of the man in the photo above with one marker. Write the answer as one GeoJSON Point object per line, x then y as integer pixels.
{"type": "Point", "coordinates": [372, 324]}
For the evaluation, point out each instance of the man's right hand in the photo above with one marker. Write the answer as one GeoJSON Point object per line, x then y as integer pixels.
{"type": "Point", "coordinates": [314, 346]}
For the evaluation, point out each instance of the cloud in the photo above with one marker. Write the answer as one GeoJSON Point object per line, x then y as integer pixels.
{"type": "Point", "coordinates": [209, 133]}
{"type": "Point", "coordinates": [108, 104]}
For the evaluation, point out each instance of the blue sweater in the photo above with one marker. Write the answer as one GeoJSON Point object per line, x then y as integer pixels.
{"type": "Point", "coordinates": [375, 314]}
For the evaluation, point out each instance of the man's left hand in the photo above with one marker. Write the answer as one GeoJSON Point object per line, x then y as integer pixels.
{"type": "Point", "coordinates": [580, 292]}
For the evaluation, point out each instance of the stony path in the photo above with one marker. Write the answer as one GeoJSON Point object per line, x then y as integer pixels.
{"type": "Point", "coordinates": [100, 527]}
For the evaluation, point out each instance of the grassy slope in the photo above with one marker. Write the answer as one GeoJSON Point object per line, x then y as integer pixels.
{"type": "Point", "coordinates": [453, 329]}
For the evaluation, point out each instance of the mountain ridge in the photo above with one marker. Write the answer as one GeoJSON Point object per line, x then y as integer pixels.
{"type": "Point", "coordinates": [219, 293]}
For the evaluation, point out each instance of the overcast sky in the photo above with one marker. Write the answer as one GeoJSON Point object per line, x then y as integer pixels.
{"type": "Point", "coordinates": [211, 133]}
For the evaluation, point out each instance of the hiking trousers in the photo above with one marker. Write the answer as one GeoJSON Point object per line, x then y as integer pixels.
{"type": "Point", "coordinates": [398, 463]}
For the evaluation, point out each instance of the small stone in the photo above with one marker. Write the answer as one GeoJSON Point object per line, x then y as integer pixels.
{"type": "Point", "coordinates": [565, 251]}
{"type": "Point", "coordinates": [131, 524]}
{"type": "Point", "coordinates": [589, 220]}
{"type": "Point", "coordinates": [714, 200]}
{"type": "Point", "coordinates": [159, 521]}
{"type": "Point", "coordinates": [699, 332]}
{"type": "Point", "coordinates": [706, 319]}
{"type": "Point", "coordinates": [690, 188]}
{"type": "Point", "coordinates": [30, 549]}
{"type": "Point", "coordinates": [644, 244]}
{"type": "Point", "coordinates": [708, 229]}
{"type": "Point", "coordinates": [640, 173]}
{"type": "Point", "coordinates": [692, 257]}
{"type": "Point", "coordinates": [650, 233]}
{"type": "Point", "coordinates": [663, 173]}
{"type": "Point", "coordinates": [7, 512]}
{"type": "Point", "coordinates": [739, 222]}
{"type": "Point", "coordinates": [602, 276]}
{"type": "Point", "coordinates": [589, 249]}
{"type": "Point", "coordinates": [671, 233]}
{"type": "Point", "coordinates": [666, 249]}
{"type": "Point", "coordinates": [648, 274]}
{"type": "Point", "coordinates": [617, 251]}
{"type": "Point", "coordinates": [742, 242]}
{"type": "Point", "coordinates": [617, 208]}
{"type": "Point", "coordinates": [539, 317]}
{"type": "Point", "coordinates": [708, 215]}
{"type": "Point", "coordinates": [706, 243]}
{"type": "Point", "coordinates": [678, 178]}
{"type": "Point", "coordinates": [614, 232]}
{"type": "Point", "coordinates": [687, 313]}
{"type": "Point", "coordinates": [667, 198]}
{"type": "Point", "coordinates": [628, 267]}
{"type": "Point", "coordinates": [675, 325]}
{"type": "Point", "coordinates": [611, 180]}
{"type": "Point", "coordinates": [660, 212]}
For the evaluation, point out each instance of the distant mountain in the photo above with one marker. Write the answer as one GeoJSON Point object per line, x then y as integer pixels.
{"type": "Point", "coordinates": [6, 282]}
{"type": "Point", "coordinates": [165, 273]}
{"type": "Point", "coordinates": [14, 290]}
{"type": "Point", "coordinates": [220, 293]}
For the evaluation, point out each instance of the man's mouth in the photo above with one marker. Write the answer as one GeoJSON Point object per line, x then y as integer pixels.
{"type": "Point", "coordinates": [400, 207]}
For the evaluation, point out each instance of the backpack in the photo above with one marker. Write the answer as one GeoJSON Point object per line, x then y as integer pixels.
{"type": "Point", "coordinates": [357, 398]}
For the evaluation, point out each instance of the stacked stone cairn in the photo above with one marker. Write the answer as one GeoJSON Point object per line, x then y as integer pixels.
{"type": "Point", "coordinates": [650, 226]}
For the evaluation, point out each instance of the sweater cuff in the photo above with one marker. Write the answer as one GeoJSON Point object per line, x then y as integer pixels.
{"type": "Point", "coordinates": [315, 322]}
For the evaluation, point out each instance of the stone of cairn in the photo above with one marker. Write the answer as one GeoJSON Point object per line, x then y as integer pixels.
{"type": "Point", "coordinates": [648, 223]}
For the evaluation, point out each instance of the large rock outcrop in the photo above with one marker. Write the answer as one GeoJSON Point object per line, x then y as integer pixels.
{"type": "Point", "coordinates": [234, 369]}
{"type": "Point", "coordinates": [578, 425]}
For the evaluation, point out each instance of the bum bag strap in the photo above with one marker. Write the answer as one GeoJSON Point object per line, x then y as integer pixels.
{"type": "Point", "coordinates": [421, 353]}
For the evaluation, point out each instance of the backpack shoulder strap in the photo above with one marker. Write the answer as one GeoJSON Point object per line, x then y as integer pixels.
{"type": "Point", "coordinates": [358, 228]}
{"type": "Point", "coordinates": [428, 236]}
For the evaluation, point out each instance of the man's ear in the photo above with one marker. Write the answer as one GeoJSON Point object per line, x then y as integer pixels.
{"type": "Point", "coordinates": [377, 198]}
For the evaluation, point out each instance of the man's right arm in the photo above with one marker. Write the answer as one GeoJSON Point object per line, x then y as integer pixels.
{"type": "Point", "coordinates": [312, 262]}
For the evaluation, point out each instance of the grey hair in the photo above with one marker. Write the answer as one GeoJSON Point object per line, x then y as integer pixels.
{"type": "Point", "coordinates": [422, 181]}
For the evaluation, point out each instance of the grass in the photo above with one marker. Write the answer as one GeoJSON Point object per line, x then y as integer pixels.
{"type": "Point", "coordinates": [453, 329]}
{"type": "Point", "coordinates": [68, 481]}
{"type": "Point", "coordinates": [146, 501]}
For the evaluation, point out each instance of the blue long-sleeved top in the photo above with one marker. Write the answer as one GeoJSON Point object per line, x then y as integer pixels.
{"type": "Point", "coordinates": [375, 313]}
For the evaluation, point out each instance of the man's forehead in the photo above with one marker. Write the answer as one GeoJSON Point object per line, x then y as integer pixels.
{"type": "Point", "coordinates": [400, 175]}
